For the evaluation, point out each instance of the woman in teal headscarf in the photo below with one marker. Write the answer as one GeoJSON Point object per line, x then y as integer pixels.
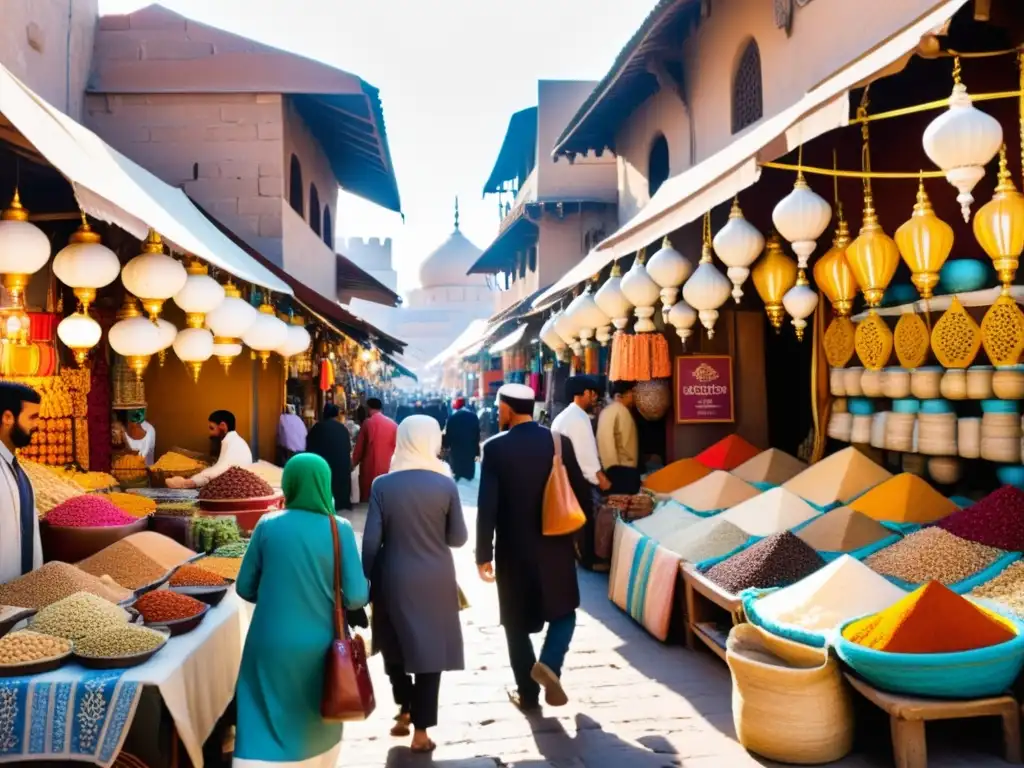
{"type": "Point", "coordinates": [288, 572]}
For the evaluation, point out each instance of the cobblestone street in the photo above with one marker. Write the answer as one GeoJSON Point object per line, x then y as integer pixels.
{"type": "Point", "coordinates": [635, 702]}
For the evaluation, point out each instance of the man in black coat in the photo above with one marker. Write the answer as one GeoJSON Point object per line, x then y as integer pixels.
{"type": "Point", "coordinates": [330, 439]}
{"type": "Point", "coordinates": [462, 441]}
{"type": "Point", "coordinates": [535, 574]}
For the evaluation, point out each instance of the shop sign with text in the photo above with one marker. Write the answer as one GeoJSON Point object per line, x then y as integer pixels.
{"type": "Point", "coordinates": [704, 389]}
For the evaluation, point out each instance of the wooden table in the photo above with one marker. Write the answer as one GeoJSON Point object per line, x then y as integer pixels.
{"type": "Point", "coordinates": [908, 714]}
{"type": "Point", "coordinates": [709, 610]}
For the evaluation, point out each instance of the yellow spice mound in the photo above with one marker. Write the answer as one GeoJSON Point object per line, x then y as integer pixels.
{"type": "Point", "coordinates": [905, 498]}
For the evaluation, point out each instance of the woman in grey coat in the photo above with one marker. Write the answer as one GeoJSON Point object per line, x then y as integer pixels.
{"type": "Point", "coordinates": [415, 517]}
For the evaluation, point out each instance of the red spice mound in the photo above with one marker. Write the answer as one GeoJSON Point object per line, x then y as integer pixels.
{"type": "Point", "coordinates": [194, 576]}
{"type": "Point", "coordinates": [996, 521]}
{"type": "Point", "coordinates": [163, 605]}
{"type": "Point", "coordinates": [728, 453]}
{"type": "Point", "coordinates": [88, 511]}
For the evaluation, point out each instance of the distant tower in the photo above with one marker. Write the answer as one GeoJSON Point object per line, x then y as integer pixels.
{"type": "Point", "coordinates": [456, 213]}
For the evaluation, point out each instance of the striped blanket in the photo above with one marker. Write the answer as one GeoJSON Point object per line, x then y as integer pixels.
{"type": "Point", "coordinates": [642, 580]}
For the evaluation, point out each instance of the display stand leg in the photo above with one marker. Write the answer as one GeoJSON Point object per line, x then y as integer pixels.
{"type": "Point", "coordinates": [909, 749]}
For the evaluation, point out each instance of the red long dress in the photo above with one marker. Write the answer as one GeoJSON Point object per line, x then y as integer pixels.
{"type": "Point", "coordinates": [375, 445]}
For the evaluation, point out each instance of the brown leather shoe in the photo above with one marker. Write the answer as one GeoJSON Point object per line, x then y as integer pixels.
{"type": "Point", "coordinates": [544, 676]}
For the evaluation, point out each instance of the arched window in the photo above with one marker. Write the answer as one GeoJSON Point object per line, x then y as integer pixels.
{"type": "Point", "coordinates": [657, 164]}
{"type": "Point", "coordinates": [328, 228]}
{"type": "Point", "coordinates": [314, 209]}
{"type": "Point", "coordinates": [747, 101]}
{"type": "Point", "coordinates": [295, 187]}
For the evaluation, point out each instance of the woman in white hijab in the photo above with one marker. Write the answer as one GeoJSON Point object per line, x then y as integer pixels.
{"type": "Point", "coordinates": [414, 520]}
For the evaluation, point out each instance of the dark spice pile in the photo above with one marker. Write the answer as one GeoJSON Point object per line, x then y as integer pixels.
{"type": "Point", "coordinates": [776, 561]}
{"type": "Point", "coordinates": [996, 521]}
{"type": "Point", "coordinates": [236, 483]}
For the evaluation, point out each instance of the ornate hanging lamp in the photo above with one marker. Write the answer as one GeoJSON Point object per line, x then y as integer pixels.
{"type": "Point", "coordinates": [962, 141]}
{"type": "Point", "coordinates": [669, 269]}
{"type": "Point", "coordinates": [200, 295]}
{"type": "Point", "coordinates": [924, 242]}
{"type": "Point", "coordinates": [832, 272]}
{"type": "Point", "coordinates": [298, 338]}
{"type": "Point", "coordinates": [153, 276]}
{"type": "Point", "coordinates": [642, 292]}
{"type": "Point", "coordinates": [267, 332]}
{"type": "Point", "coordinates": [873, 255]}
{"type": "Point", "coordinates": [773, 276]}
{"type": "Point", "coordinates": [707, 289]}
{"type": "Point", "coordinates": [565, 328]}
{"type": "Point", "coordinates": [231, 319]}
{"type": "Point", "coordinates": [586, 315]}
{"type": "Point", "coordinates": [612, 300]}
{"type": "Point", "coordinates": [682, 317]}
{"type": "Point", "coordinates": [168, 332]}
{"type": "Point", "coordinates": [738, 244]}
{"type": "Point", "coordinates": [801, 217]}
{"type": "Point", "coordinates": [134, 337]}
{"type": "Point", "coordinates": [550, 337]}
{"type": "Point", "coordinates": [80, 333]}
{"type": "Point", "coordinates": [86, 265]}
{"type": "Point", "coordinates": [24, 249]}
{"type": "Point", "coordinates": [800, 302]}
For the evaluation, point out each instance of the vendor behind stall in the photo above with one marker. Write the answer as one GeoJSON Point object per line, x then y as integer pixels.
{"type": "Point", "coordinates": [20, 550]}
{"type": "Point", "coordinates": [140, 435]}
{"type": "Point", "coordinates": [234, 452]}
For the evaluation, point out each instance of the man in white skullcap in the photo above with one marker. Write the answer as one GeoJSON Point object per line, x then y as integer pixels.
{"type": "Point", "coordinates": [535, 574]}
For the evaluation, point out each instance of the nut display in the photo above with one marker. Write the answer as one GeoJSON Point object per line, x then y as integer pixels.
{"type": "Point", "coordinates": [76, 616]}
{"type": "Point", "coordinates": [26, 647]}
{"type": "Point", "coordinates": [119, 642]}
{"type": "Point", "coordinates": [133, 504]}
{"type": "Point", "coordinates": [236, 483]}
{"type": "Point", "coordinates": [54, 581]}
{"type": "Point", "coordinates": [162, 606]}
{"type": "Point", "coordinates": [196, 576]}
{"type": "Point", "coordinates": [88, 511]}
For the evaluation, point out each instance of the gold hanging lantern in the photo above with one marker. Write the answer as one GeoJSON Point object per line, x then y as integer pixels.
{"type": "Point", "coordinates": [999, 226]}
{"type": "Point", "coordinates": [956, 338]}
{"type": "Point", "coordinates": [833, 274]}
{"type": "Point", "coordinates": [1002, 332]}
{"type": "Point", "coordinates": [873, 341]}
{"type": "Point", "coordinates": [873, 256]}
{"type": "Point", "coordinates": [840, 341]}
{"type": "Point", "coordinates": [911, 340]}
{"type": "Point", "coordinates": [773, 275]}
{"type": "Point", "coordinates": [924, 241]}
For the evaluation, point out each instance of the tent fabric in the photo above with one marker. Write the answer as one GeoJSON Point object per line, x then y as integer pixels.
{"type": "Point", "coordinates": [114, 189]}
{"type": "Point", "coordinates": [772, 466]}
{"type": "Point", "coordinates": [508, 341]}
{"type": "Point", "coordinates": [474, 332]}
{"type": "Point", "coordinates": [837, 479]}
{"type": "Point", "coordinates": [728, 453]}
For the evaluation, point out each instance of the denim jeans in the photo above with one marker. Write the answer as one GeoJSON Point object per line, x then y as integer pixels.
{"type": "Point", "coordinates": [522, 658]}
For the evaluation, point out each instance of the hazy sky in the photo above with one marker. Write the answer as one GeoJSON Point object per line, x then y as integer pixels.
{"type": "Point", "coordinates": [450, 74]}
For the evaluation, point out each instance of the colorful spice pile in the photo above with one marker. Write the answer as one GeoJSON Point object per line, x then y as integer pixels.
{"type": "Point", "coordinates": [125, 564]}
{"type": "Point", "coordinates": [24, 647]}
{"type": "Point", "coordinates": [228, 567]}
{"type": "Point", "coordinates": [708, 538]}
{"type": "Point", "coordinates": [667, 518]}
{"type": "Point", "coordinates": [841, 590]}
{"type": "Point", "coordinates": [87, 481]}
{"type": "Point", "coordinates": [172, 462]}
{"type": "Point", "coordinates": [931, 619]}
{"type": "Point", "coordinates": [728, 453]}
{"type": "Point", "coordinates": [933, 554]}
{"type": "Point", "coordinates": [771, 512]}
{"type": "Point", "coordinates": [997, 520]}
{"type": "Point", "coordinates": [267, 471]}
{"type": "Point", "coordinates": [162, 605]}
{"type": "Point", "coordinates": [837, 479]}
{"type": "Point", "coordinates": [76, 616]}
{"type": "Point", "coordinates": [88, 511]}
{"type": "Point", "coordinates": [675, 476]}
{"type": "Point", "coordinates": [777, 561]}
{"type": "Point", "coordinates": [719, 490]}
{"type": "Point", "coordinates": [54, 581]}
{"type": "Point", "coordinates": [1006, 589]}
{"type": "Point", "coordinates": [133, 504]}
{"type": "Point", "coordinates": [160, 548]}
{"type": "Point", "coordinates": [905, 498]}
{"type": "Point", "coordinates": [177, 508]}
{"type": "Point", "coordinates": [236, 483]}
{"type": "Point", "coordinates": [772, 466]}
{"type": "Point", "coordinates": [119, 642]}
{"type": "Point", "coordinates": [195, 576]}
{"type": "Point", "coordinates": [843, 530]}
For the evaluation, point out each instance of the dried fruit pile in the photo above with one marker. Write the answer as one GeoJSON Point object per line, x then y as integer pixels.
{"type": "Point", "coordinates": [25, 647]}
{"type": "Point", "coordinates": [195, 576]}
{"type": "Point", "coordinates": [133, 504]}
{"type": "Point", "coordinates": [776, 561]}
{"type": "Point", "coordinates": [76, 616]}
{"type": "Point", "coordinates": [163, 605]}
{"type": "Point", "coordinates": [996, 521]}
{"type": "Point", "coordinates": [119, 642]}
{"type": "Point", "coordinates": [236, 483]}
{"type": "Point", "coordinates": [88, 511]}
{"type": "Point", "coordinates": [54, 581]}
{"type": "Point", "coordinates": [933, 554]}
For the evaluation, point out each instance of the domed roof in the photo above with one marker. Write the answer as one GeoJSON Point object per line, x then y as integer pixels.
{"type": "Point", "coordinates": [448, 264]}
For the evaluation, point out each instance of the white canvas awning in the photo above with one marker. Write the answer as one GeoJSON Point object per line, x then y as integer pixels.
{"type": "Point", "coordinates": [684, 198]}
{"type": "Point", "coordinates": [114, 189]}
{"type": "Point", "coordinates": [509, 341]}
{"type": "Point", "coordinates": [474, 334]}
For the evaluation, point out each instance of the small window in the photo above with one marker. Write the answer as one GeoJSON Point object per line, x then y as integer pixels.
{"type": "Point", "coordinates": [747, 99]}
{"type": "Point", "coordinates": [657, 164]}
{"type": "Point", "coordinates": [328, 228]}
{"type": "Point", "coordinates": [314, 209]}
{"type": "Point", "coordinates": [295, 187]}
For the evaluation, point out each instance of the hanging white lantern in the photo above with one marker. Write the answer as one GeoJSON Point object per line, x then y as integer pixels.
{"type": "Point", "coordinates": [134, 337]}
{"type": "Point", "coordinates": [566, 328]}
{"type": "Point", "coordinates": [153, 276]}
{"type": "Point", "coordinates": [168, 332]}
{"type": "Point", "coordinates": [298, 340]}
{"type": "Point", "coordinates": [800, 301]}
{"type": "Point", "coordinates": [613, 301]}
{"type": "Point", "coordinates": [586, 315]}
{"type": "Point", "coordinates": [24, 249]}
{"type": "Point", "coordinates": [201, 294]}
{"type": "Point", "coordinates": [80, 333]}
{"type": "Point", "coordinates": [738, 244]}
{"type": "Point", "coordinates": [801, 217]}
{"type": "Point", "coordinates": [682, 317]}
{"type": "Point", "coordinates": [266, 334]}
{"type": "Point", "coordinates": [707, 290]}
{"type": "Point", "coordinates": [550, 337]}
{"type": "Point", "coordinates": [229, 323]}
{"type": "Point", "coordinates": [642, 292]}
{"type": "Point", "coordinates": [962, 141]}
{"type": "Point", "coordinates": [194, 346]}
{"type": "Point", "coordinates": [669, 269]}
{"type": "Point", "coordinates": [86, 265]}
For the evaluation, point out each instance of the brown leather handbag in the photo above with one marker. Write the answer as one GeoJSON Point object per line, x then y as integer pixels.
{"type": "Point", "coordinates": [348, 690]}
{"type": "Point", "coordinates": [561, 514]}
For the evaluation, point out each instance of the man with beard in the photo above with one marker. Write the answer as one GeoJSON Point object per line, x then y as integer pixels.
{"type": "Point", "coordinates": [233, 452]}
{"type": "Point", "coordinates": [535, 574]}
{"type": "Point", "coordinates": [20, 550]}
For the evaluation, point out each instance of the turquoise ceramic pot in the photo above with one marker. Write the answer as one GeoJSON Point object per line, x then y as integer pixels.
{"type": "Point", "coordinates": [901, 293]}
{"type": "Point", "coordinates": [906, 405]}
{"type": "Point", "coordinates": [962, 275]}
{"type": "Point", "coordinates": [860, 406]}
{"type": "Point", "coordinates": [1000, 406]}
{"type": "Point", "coordinates": [938, 405]}
{"type": "Point", "coordinates": [1011, 474]}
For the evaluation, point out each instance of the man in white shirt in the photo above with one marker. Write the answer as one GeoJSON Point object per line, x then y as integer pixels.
{"type": "Point", "coordinates": [20, 550]}
{"type": "Point", "coordinates": [234, 452]}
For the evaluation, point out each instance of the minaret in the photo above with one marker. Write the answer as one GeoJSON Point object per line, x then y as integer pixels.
{"type": "Point", "coordinates": [456, 213]}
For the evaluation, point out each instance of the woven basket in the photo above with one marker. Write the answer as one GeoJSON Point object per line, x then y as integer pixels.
{"type": "Point", "coordinates": [789, 702]}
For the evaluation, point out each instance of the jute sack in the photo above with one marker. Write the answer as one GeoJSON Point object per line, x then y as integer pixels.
{"type": "Point", "coordinates": [789, 702]}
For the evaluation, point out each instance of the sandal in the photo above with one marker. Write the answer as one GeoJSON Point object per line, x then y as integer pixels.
{"type": "Point", "coordinates": [401, 726]}
{"type": "Point", "coordinates": [424, 749]}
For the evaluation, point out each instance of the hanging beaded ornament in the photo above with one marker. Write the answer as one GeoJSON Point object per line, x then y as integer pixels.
{"type": "Point", "coordinates": [873, 342]}
{"type": "Point", "coordinates": [956, 338]}
{"type": "Point", "coordinates": [1002, 332]}
{"type": "Point", "coordinates": [839, 342]}
{"type": "Point", "coordinates": [911, 340]}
